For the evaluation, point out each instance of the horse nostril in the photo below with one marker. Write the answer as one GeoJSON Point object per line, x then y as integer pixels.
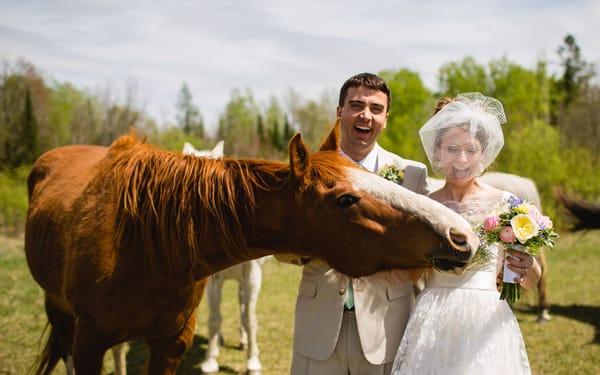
{"type": "Point", "coordinates": [457, 238]}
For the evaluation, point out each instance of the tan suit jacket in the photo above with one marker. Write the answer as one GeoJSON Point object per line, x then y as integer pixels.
{"type": "Point", "coordinates": [382, 301]}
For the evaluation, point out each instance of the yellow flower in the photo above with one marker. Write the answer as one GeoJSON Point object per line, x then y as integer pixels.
{"type": "Point", "coordinates": [524, 227]}
{"type": "Point", "coordinates": [523, 208]}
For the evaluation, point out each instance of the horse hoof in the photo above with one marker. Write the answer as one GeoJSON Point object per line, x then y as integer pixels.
{"type": "Point", "coordinates": [253, 366]}
{"type": "Point", "coordinates": [544, 317]}
{"type": "Point", "coordinates": [209, 366]}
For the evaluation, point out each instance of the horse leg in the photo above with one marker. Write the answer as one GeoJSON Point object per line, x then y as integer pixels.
{"type": "Point", "coordinates": [119, 352]}
{"type": "Point", "coordinates": [166, 353]}
{"type": "Point", "coordinates": [542, 289]}
{"type": "Point", "coordinates": [243, 306]}
{"type": "Point", "coordinates": [70, 365]}
{"type": "Point", "coordinates": [88, 347]}
{"type": "Point", "coordinates": [250, 322]}
{"type": "Point", "coordinates": [210, 365]}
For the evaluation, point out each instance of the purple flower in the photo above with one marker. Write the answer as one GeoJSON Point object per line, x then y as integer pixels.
{"type": "Point", "coordinates": [514, 201]}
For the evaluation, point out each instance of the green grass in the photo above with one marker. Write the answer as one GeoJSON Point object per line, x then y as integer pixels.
{"type": "Point", "coordinates": [568, 344]}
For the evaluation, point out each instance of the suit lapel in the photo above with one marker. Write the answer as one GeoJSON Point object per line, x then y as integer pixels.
{"type": "Point", "coordinates": [412, 175]}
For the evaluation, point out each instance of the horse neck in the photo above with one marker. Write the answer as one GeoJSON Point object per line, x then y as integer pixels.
{"type": "Point", "coordinates": [263, 203]}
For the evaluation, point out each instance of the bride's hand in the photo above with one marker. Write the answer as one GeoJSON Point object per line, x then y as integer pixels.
{"type": "Point", "coordinates": [526, 266]}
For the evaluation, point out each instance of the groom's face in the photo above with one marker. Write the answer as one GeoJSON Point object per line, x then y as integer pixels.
{"type": "Point", "coordinates": [362, 117]}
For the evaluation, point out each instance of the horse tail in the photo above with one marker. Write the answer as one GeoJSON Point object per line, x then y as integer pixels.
{"type": "Point", "coordinates": [59, 342]}
{"type": "Point", "coordinates": [50, 356]}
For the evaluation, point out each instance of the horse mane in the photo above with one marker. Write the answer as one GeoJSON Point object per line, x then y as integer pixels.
{"type": "Point", "coordinates": [174, 204]}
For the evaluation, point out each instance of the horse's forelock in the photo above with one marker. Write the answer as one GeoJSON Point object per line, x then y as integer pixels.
{"type": "Point", "coordinates": [330, 166]}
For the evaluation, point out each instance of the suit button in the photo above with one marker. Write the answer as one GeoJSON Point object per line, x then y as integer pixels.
{"type": "Point", "coordinates": [342, 291]}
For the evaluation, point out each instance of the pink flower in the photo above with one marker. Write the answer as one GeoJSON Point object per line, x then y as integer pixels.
{"type": "Point", "coordinates": [507, 235]}
{"type": "Point", "coordinates": [491, 223]}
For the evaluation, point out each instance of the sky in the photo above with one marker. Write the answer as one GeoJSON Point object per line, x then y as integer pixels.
{"type": "Point", "coordinates": [270, 46]}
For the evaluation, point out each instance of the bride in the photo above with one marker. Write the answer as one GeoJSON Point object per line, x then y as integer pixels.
{"type": "Point", "coordinates": [459, 325]}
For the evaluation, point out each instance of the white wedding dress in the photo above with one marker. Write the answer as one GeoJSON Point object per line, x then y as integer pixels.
{"type": "Point", "coordinates": [459, 325]}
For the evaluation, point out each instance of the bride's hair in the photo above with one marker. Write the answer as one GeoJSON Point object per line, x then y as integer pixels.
{"type": "Point", "coordinates": [442, 103]}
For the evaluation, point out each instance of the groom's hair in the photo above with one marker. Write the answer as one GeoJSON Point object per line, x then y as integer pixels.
{"type": "Point", "coordinates": [368, 80]}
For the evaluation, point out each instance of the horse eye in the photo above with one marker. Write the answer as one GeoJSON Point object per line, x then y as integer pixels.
{"type": "Point", "coordinates": [346, 200]}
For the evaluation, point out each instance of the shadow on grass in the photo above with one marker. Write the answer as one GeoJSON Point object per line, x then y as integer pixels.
{"type": "Point", "coordinates": [582, 313]}
{"type": "Point", "coordinates": [138, 353]}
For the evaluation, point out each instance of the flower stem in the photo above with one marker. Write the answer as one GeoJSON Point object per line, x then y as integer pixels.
{"type": "Point", "coordinates": [510, 292]}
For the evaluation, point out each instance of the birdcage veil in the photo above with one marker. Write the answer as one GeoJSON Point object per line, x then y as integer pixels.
{"type": "Point", "coordinates": [465, 136]}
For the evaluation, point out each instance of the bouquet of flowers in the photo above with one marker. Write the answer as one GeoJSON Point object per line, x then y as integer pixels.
{"type": "Point", "coordinates": [521, 228]}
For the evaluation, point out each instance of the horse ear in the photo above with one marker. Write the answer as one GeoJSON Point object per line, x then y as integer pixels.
{"type": "Point", "coordinates": [299, 159]}
{"type": "Point", "coordinates": [332, 142]}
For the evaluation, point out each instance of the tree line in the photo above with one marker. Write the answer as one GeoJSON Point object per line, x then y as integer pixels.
{"type": "Point", "coordinates": [552, 134]}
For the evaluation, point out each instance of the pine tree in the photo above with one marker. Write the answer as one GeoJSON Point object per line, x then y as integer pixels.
{"type": "Point", "coordinates": [577, 72]}
{"type": "Point", "coordinates": [275, 136]}
{"type": "Point", "coordinates": [188, 115]}
{"type": "Point", "coordinates": [260, 128]}
{"type": "Point", "coordinates": [287, 131]}
{"type": "Point", "coordinates": [27, 134]}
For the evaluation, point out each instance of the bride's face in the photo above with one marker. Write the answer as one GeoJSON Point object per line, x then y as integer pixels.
{"type": "Point", "coordinates": [460, 155]}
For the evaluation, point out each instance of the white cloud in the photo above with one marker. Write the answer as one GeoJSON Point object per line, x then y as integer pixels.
{"type": "Point", "coordinates": [270, 45]}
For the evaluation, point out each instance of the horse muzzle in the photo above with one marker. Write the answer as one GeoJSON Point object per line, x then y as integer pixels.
{"type": "Point", "coordinates": [456, 251]}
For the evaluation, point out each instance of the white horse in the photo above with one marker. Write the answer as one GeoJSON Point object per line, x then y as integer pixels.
{"type": "Point", "coordinates": [525, 189]}
{"type": "Point", "coordinates": [249, 276]}
{"type": "Point", "coordinates": [215, 153]}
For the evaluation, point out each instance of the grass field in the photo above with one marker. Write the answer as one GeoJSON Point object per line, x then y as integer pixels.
{"type": "Point", "coordinates": [568, 344]}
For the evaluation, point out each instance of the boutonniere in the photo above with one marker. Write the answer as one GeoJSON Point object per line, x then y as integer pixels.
{"type": "Point", "coordinates": [393, 173]}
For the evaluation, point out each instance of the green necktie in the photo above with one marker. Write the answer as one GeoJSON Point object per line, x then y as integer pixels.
{"type": "Point", "coordinates": [349, 300]}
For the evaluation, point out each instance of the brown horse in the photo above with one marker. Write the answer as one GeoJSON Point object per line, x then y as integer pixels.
{"type": "Point", "coordinates": [585, 215]}
{"type": "Point", "coordinates": [122, 239]}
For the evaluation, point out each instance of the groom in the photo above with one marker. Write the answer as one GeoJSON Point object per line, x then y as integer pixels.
{"type": "Point", "coordinates": [345, 325]}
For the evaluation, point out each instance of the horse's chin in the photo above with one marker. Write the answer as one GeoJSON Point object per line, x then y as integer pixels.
{"type": "Point", "coordinates": [449, 265]}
